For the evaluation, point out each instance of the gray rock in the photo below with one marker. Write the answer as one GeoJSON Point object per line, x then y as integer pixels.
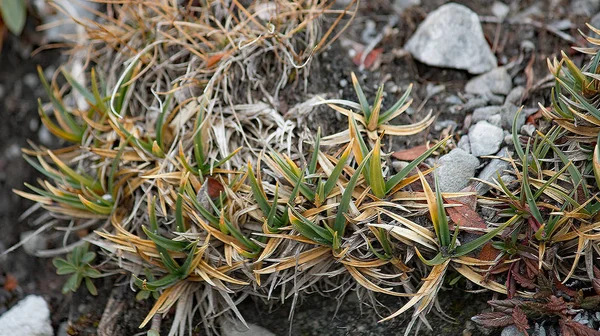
{"type": "Point", "coordinates": [508, 138]}
{"type": "Point", "coordinates": [528, 129]}
{"type": "Point", "coordinates": [585, 7]}
{"type": "Point", "coordinates": [433, 89]}
{"type": "Point", "coordinates": [451, 37]}
{"type": "Point", "coordinates": [495, 99]}
{"type": "Point", "coordinates": [440, 125]}
{"type": "Point", "coordinates": [496, 81]}
{"type": "Point", "coordinates": [595, 22]}
{"type": "Point", "coordinates": [495, 120]}
{"type": "Point", "coordinates": [453, 100]}
{"type": "Point", "coordinates": [500, 9]}
{"type": "Point", "coordinates": [491, 171]}
{"type": "Point", "coordinates": [401, 5]}
{"type": "Point", "coordinates": [455, 169]}
{"type": "Point", "coordinates": [30, 317]}
{"type": "Point", "coordinates": [464, 144]}
{"type": "Point", "coordinates": [514, 96]}
{"type": "Point", "coordinates": [62, 329]}
{"type": "Point", "coordinates": [71, 10]}
{"type": "Point", "coordinates": [399, 165]}
{"type": "Point", "coordinates": [474, 104]}
{"type": "Point", "coordinates": [485, 138]}
{"type": "Point", "coordinates": [508, 114]}
{"type": "Point", "coordinates": [230, 329]}
{"type": "Point", "coordinates": [34, 243]}
{"type": "Point", "coordinates": [511, 330]}
{"type": "Point", "coordinates": [484, 113]}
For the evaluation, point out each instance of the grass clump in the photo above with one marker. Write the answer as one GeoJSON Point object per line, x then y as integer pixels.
{"type": "Point", "coordinates": [202, 195]}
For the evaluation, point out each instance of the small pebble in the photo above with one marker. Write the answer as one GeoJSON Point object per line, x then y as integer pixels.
{"type": "Point", "coordinates": [528, 129]}
{"type": "Point", "coordinates": [500, 9]}
{"type": "Point", "coordinates": [31, 80]}
{"type": "Point", "coordinates": [343, 83]}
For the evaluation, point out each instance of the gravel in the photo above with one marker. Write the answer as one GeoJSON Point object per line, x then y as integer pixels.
{"type": "Point", "coordinates": [451, 37]}
{"type": "Point", "coordinates": [496, 81]}
{"type": "Point", "coordinates": [485, 138]}
{"type": "Point", "coordinates": [455, 169]}
{"type": "Point", "coordinates": [491, 171]}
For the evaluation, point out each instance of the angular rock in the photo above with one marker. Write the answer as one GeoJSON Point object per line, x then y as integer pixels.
{"type": "Point", "coordinates": [496, 81]}
{"type": "Point", "coordinates": [451, 37]}
{"type": "Point", "coordinates": [484, 113]}
{"type": "Point", "coordinates": [455, 169]}
{"type": "Point", "coordinates": [528, 129]}
{"type": "Point", "coordinates": [30, 317]}
{"type": "Point", "coordinates": [238, 329]}
{"type": "Point", "coordinates": [511, 330]}
{"type": "Point", "coordinates": [514, 96]}
{"type": "Point", "coordinates": [508, 113]}
{"type": "Point", "coordinates": [464, 144]}
{"type": "Point", "coordinates": [491, 171]}
{"type": "Point", "coordinates": [485, 138]}
{"type": "Point", "coordinates": [500, 9]}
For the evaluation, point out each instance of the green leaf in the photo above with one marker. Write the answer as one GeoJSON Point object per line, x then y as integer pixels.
{"type": "Point", "coordinates": [389, 114]}
{"type": "Point", "coordinates": [337, 171]}
{"type": "Point", "coordinates": [258, 191]}
{"type": "Point", "coordinates": [480, 241]}
{"type": "Point", "coordinates": [309, 229]}
{"type": "Point", "coordinates": [91, 273]}
{"type": "Point", "coordinates": [312, 166]}
{"type": "Point", "coordinates": [376, 181]}
{"type": "Point", "coordinates": [71, 284]}
{"type": "Point", "coordinates": [179, 221]}
{"type": "Point", "coordinates": [527, 189]}
{"type": "Point", "coordinates": [364, 103]}
{"type": "Point", "coordinates": [437, 260]}
{"type": "Point", "coordinates": [89, 96]}
{"type": "Point", "coordinates": [166, 243]}
{"type": "Point", "coordinates": [339, 225]}
{"type": "Point", "coordinates": [14, 15]}
{"type": "Point", "coordinates": [88, 257]}
{"type": "Point", "coordinates": [589, 107]}
{"type": "Point", "coordinates": [67, 116]}
{"type": "Point", "coordinates": [90, 287]}
{"type": "Point", "coordinates": [444, 229]}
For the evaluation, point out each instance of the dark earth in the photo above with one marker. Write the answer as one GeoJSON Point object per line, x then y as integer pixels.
{"type": "Point", "coordinates": [314, 315]}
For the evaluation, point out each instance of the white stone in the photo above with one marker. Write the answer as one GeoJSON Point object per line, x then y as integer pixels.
{"type": "Point", "coordinates": [496, 81]}
{"type": "Point", "coordinates": [455, 169]}
{"type": "Point", "coordinates": [30, 317]}
{"type": "Point", "coordinates": [451, 37]}
{"type": "Point", "coordinates": [239, 329]}
{"type": "Point", "coordinates": [500, 9]}
{"type": "Point", "coordinates": [485, 138]}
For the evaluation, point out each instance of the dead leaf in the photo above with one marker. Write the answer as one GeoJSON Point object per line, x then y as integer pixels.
{"type": "Point", "coordinates": [372, 61]}
{"type": "Point", "coordinates": [411, 153]}
{"type": "Point", "coordinates": [214, 187]}
{"type": "Point", "coordinates": [532, 119]}
{"type": "Point", "coordinates": [520, 320]}
{"type": "Point", "coordinates": [488, 252]}
{"type": "Point", "coordinates": [464, 216]}
{"type": "Point", "coordinates": [10, 283]}
{"type": "Point", "coordinates": [493, 320]}
{"type": "Point", "coordinates": [569, 327]}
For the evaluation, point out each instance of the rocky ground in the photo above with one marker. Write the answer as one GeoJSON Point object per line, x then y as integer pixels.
{"type": "Point", "coordinates": [493, 61]}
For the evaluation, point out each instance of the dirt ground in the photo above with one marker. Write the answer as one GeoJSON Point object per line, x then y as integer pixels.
{"type": "Point", "coordinates": [19, 90]}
